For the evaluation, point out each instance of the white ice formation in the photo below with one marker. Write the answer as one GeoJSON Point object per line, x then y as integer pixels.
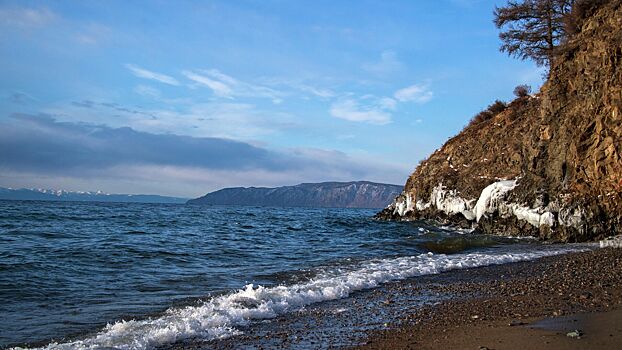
{"type": "Point", "coordinates": [493, 199]}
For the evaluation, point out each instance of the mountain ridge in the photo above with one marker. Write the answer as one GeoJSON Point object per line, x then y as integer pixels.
{"type": "Point", "coordinates": [354, 194]}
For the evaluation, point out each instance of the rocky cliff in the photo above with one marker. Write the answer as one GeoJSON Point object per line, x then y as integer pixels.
{"type": "Point", "coordinates": [550, 164]}
{"type": "Point", "coordinates": [360, 194]}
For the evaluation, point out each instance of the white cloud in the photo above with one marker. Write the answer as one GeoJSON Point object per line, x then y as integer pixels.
{"type": "Point", "coordinates": [388, 64]}
{"type": "Point", "coordinates": [300, 87]}
{"type": "Point", "coordinates": [388, 103]}
{"type": "Point", "coordinates": [324, 93]}
{"type": "Point", "coordinates": [226, 86]}
{"type": "Point", "coordinates": [416, 93]}
{"type": "Point", "coordinates": [146, 74]}
{"type": "Point", "coordinates": [26, 17]}
{"type": "Point", "coordinates": [352, 110]}
{"type": "Point", "coordinates": [222, 118]}
{"type": "Point", "coordinates": [239, 121]}
{"type": "Point", "coordinates": [218, 87]}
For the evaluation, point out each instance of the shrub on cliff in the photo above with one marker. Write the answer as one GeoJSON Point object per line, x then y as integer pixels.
{"type": "Point", "coordinates": [497, 107]}
{"type": "Point", "coordinates": [490, 112]}
{"type": "Point", "coordinates": [522, 91]}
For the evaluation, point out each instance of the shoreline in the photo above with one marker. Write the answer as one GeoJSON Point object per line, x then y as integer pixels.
{"type": "Point", "coordinates": [528, 305]}
{"type": "Point", "coordinates": [523, 305]}
{"type": "Point", "coordinates": [421, 312]}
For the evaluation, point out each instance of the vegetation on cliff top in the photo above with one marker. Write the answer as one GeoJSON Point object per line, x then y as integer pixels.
{"type": "Point", "coordinates": [535, 29]}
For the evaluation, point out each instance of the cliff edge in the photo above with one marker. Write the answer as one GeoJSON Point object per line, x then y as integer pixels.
{"type": "Point", "coordinates": [549, 165]}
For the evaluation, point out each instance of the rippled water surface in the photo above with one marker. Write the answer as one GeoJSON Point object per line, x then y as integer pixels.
{"type": "Point", "coordinates": [68, 269]}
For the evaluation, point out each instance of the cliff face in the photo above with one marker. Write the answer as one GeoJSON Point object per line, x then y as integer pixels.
{"type": "Point", "coordinates": [361, 194]}
{"type": "Point", "coordinates": [550, 164]}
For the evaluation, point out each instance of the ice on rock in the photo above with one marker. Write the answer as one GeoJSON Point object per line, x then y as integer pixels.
{"type": "Point", "coordinates": [492, 197]}
{"type": "Point", "coordinates": [403, 205]}
{"type": "Point", "coordinates": [450, 202]}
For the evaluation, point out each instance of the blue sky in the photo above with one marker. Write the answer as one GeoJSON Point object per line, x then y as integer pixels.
{"type": "Point", "coordinates": [185, 97]}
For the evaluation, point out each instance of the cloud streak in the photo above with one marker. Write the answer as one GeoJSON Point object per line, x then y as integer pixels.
{"type": "Point", "coordinates": [352, 110]}
{"type": "Point", "coordinates": [223, 85]}
{"type": "Point", "coordinates": [414, 93]}
{"type": "Point", "coordinates": [147, 74]}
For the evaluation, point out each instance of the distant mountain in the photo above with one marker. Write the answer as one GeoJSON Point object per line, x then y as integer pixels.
{"type": "Point", "coordinates": [67, 196]}
{"type": "Point", "coordinates": [359, 194]}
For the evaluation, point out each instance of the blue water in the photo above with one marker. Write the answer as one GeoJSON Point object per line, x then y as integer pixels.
{"type": "Point", "coordinates": [68, 268]}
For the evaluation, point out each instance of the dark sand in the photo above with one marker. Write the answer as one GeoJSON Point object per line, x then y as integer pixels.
{"type": "Point", "coordinates": [602, 330]}
{"type": "Point", "coordinates": [522, 306]}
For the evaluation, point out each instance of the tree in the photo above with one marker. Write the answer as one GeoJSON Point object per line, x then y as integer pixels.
{"type": "Point", "coordinates": [532, 29]}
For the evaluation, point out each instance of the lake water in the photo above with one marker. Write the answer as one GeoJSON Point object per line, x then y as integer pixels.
{"type": "Point", "coordinates": [138, 276]}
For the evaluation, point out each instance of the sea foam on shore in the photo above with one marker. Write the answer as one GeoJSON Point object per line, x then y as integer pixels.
{"type": "Point", "coordinates": [219, 317]}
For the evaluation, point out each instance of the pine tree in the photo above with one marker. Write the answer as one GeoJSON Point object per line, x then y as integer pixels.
{"type": "Point", "coordinates": [532, 29]}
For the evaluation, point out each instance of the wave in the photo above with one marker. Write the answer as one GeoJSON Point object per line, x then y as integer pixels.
{"type": "Point", "coordinates": [219, 317]}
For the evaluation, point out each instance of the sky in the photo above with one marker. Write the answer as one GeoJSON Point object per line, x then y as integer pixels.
{"type": "Point", "coordinates": [185, 97]}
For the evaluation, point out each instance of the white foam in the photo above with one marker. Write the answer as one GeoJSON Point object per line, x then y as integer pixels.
{"type": "Point", "coordinates": [219, 317]}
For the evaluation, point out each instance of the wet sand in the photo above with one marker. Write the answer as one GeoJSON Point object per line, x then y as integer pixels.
{"type": "Point", "coordinates": [601, 330]}
{"type": "Point", "coordinates": [532, 305]}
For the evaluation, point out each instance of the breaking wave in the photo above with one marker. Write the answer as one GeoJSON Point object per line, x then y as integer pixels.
{"type": "Point", "coordinates": [219, 317]}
